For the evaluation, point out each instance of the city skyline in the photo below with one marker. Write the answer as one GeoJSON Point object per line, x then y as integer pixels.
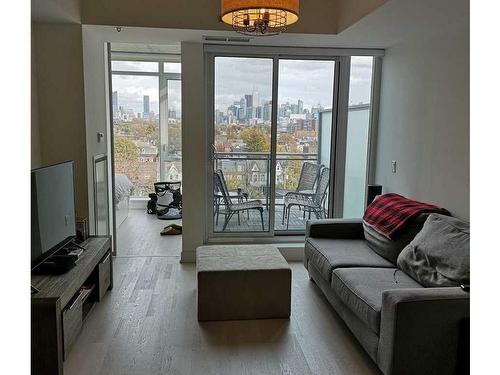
{"type": "Point", "coordinates": [294, 78]}
{"type": "Point", "coordinates": [309, 80]}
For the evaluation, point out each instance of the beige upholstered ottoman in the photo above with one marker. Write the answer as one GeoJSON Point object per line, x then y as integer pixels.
{"type": "Point", "coordinates": [242, 282]}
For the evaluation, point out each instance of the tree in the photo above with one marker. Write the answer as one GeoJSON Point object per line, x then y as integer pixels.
{"type": "Point", "coordinates": [293, 170]}
{"type": "Point", "coordinates": [256, 140]}
{"type": "Point", "coordinates": [287, 142]}
{"type": "Point", "coordinates": [233, 184]}
{"type": "Point", "coordinates": [232, 132]}
{"type": "Point", "coordinates": [125, 150]}
{"type": "Point", "coordinates": [174, 138]}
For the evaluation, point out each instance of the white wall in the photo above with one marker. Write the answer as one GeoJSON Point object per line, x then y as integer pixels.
{"type": "Point", "coordinates": [193, 150]}
{"type": "Point", "coordinates": [60, 100]}
{"type": "Point", "coordinates": [424, 118]}
{"type": "Point", "coordinates": [193, 122]}
{"type": "Point", "coordinates": [193, 98]}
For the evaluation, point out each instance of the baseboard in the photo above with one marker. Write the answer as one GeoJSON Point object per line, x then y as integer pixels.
{"type": "Point", "coordinates": [293, 252]}
{"type": "Point", "coordinates": [138, 203]}
{"type": "Point", "coordinates": [188, 257]}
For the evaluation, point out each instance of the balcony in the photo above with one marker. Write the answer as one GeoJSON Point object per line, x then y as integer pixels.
{"type": "Point", "coordinates": [249, 171]}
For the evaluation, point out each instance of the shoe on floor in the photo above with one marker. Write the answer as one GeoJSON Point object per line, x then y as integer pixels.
{"type": "Point", "coordinates": [170, 230]}
{"type": "Point", "coordinates": [176, 226]}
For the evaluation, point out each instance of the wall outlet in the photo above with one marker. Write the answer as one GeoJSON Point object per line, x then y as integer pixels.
{"type": "Point", "coordinates": [394, 166]}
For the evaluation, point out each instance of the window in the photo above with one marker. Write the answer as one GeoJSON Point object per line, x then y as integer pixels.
{"type": "Point", "coordinates": [146, 106]}
{"type": "Point", "coordinates": [358, 126]}
{"type": "Point", "coordinates": [243, 137]}
{"type": "Point", "coordinates": [305, 91]}
{"type": "Point", "coordinates": [172, 67]}
{"type": "Point", "coordinates": [295, 134]}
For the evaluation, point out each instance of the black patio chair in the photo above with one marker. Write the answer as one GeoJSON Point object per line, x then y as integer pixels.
{"type": "Point", "coordinates": [308, 176]}
{"type": "Point", "coordinates": [237, 194]}
{"type": "Point", "coordinates": [231, 208]}
{"type": "Point", "coordinates": [309, 202]}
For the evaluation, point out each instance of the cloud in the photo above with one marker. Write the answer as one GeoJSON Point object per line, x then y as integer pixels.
{"type": "Point", "coordinates": [308, 80]}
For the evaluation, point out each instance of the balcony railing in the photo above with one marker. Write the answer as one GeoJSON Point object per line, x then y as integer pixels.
{"type": "Point", "coordinates": [250, 170]}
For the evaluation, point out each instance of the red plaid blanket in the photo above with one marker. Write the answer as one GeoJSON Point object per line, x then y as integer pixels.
{"type": "Point", "coordinates": [390, 213]}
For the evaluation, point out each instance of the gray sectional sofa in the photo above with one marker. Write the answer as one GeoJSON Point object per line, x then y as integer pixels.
{"type": "Point", "coordinates": [405, 327]}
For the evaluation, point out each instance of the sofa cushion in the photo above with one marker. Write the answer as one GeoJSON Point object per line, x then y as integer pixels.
{"type": "Point", "coordinates": [439, 255]}
{"type": "Point", "coordinates": [327, 254]}
{"type": "Point", "coordinates": [361, 290]}
{"type": "Point", "coordinates": [390, 249]}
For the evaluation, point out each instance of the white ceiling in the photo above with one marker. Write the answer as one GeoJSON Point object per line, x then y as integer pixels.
{"type": "Point", "coordinates": [388, 25]}
{"type": "Point", "coordinates": [394, 21]}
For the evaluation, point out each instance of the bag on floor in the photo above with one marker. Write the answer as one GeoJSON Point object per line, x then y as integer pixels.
{"type": "Point", "coordinates": [169, 200]}
{"type": "Point", "coordinates": [153, 198]}
{"type": "Point", "coordinates": [169, 213]}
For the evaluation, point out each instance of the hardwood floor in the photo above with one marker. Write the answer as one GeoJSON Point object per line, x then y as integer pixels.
{"type": "Point", "coordinates": [147, 325]}
{"type": "Point", "coordinates": [139, 235]}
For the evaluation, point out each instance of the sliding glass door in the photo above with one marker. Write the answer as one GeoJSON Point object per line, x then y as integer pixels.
{"type": "Point", "coordinates": [242, 144]}
{"type": "Point", "coordinates": [305, 91]}
{"type": "Point", "coordinates": [283, 126]}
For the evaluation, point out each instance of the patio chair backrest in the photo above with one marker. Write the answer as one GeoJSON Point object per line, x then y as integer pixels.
{"type": "Point", "coordinates": [308, 176]}
{"type": "Point", "coordinates": [220, 184]}
{"type": "Point", "coordinates": [322, 186]}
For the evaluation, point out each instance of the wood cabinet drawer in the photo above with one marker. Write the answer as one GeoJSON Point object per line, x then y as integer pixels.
{"type": "Point", "coordinates": [104, 268]}
{"type": "Point", "coordinates": [72, 319]}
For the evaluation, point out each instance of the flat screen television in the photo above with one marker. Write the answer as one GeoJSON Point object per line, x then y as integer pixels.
{"type": "Point", "coordinates": [53, 222]}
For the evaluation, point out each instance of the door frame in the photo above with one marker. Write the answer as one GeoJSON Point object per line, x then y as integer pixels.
{"type": "Point", "coordinates": [342, 59]}
{"type": "Point", "coordinates": [163, 79]}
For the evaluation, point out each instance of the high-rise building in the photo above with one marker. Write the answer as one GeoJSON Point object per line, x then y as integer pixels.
{"type": "Point", "coordinates": [250, 113]}
{"type": "Point", "coordinates": [300, 106]}
{"type": "Point", "coordinates": [145, 106]}
{"type": "Point", "coordinates": [258, 112]}
{"type": "Point", "coordinates": [233, 110]}
{"type": "Point", "coordinates": [219, 117]}
{"type": "Point", "coordinates": [115, 104]}
{"type": "Point", "coordinates": [255, 99]}
{"type": "Point", "coordinates": [241, 113]}
{"type": "Point", "coordinates": [266, 111]}
{"type": "Point", "coordinates": [249, 100]}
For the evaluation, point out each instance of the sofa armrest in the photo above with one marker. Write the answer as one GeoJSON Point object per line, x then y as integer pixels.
{"type": "Point", "coordinates": [420, 330]}
{"type": "Point", "coordinates": [335, 228]}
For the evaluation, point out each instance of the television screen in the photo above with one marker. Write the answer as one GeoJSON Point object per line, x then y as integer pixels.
{"type": "Point", "coordinates": [53, 222]}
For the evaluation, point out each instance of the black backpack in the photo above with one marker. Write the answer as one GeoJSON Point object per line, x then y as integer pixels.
{"type": "Point", "coordinates": [153, 198]}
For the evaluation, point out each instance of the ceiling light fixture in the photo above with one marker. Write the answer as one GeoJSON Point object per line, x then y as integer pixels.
{"type": "Point", "coordinates": [259, 17]}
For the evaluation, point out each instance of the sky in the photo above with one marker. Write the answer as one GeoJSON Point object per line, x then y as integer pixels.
{"type": "Point", "coordinates": [310, 81]}
{"type": "Point", "coordinates": [131, 89]}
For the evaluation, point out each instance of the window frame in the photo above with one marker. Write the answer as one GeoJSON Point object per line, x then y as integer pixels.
{"type": "Point", "coordinates": [342, 58]}
{"type": "Point", "coordinates": [163, 79]}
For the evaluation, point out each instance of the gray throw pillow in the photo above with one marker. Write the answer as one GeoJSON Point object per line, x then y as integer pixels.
{"type": "Point", "coordinates": [439, 255]}
{"type": "Point", "coordinates": [390, 249]}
